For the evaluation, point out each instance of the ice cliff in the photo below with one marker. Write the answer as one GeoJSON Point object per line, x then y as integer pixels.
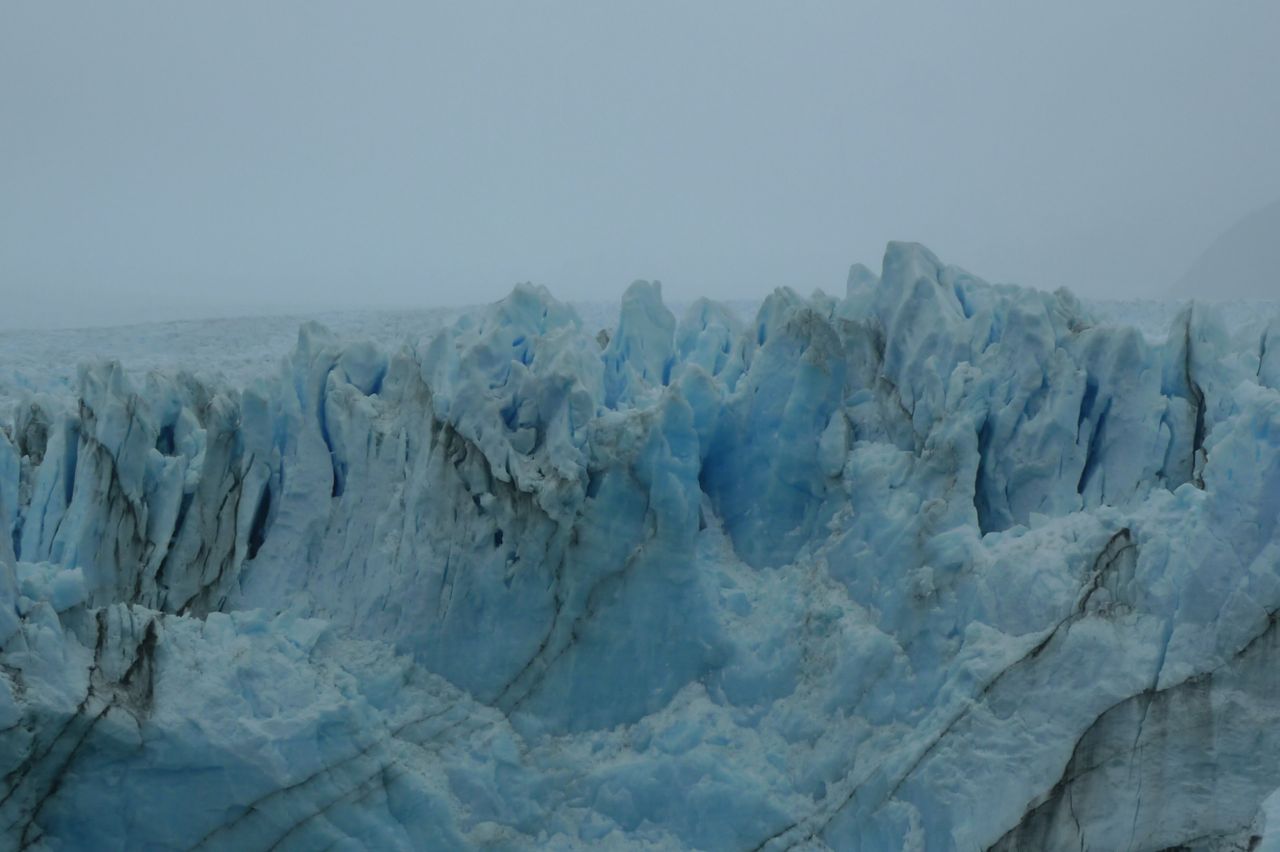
{"type": "Point", "coordinates": [938, 565]}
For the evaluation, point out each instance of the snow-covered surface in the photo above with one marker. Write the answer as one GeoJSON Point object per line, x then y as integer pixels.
{"type": "Point", "coordinates": [931, 565]}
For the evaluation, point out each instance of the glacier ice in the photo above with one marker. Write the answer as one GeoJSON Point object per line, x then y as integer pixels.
{"type": "Point", "coordinates": [936, 565]}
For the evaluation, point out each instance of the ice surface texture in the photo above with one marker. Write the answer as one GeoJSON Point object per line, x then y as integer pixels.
{"type": "Point", "coordinates": [937, 565]}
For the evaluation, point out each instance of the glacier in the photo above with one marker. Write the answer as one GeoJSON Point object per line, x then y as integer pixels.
{"type": "Point", "coordinates": [935, 565]}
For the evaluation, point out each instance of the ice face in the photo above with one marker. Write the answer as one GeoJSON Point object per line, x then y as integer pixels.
{"type": "Point", "coordinates": [938, 565]}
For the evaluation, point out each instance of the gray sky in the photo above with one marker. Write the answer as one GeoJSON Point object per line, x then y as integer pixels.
{"type": "Point", "coordinates": [179, 159]}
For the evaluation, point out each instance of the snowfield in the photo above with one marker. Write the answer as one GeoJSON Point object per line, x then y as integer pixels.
{"type": "Point", "coordinates": [934, 565]}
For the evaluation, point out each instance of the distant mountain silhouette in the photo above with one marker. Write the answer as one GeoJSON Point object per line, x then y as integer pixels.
{"type": "Point", "coordinates": [1243, 263]}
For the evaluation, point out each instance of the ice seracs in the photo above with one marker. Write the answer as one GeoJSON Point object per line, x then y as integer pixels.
{"type": "Point", "coordinates": [937, 565]}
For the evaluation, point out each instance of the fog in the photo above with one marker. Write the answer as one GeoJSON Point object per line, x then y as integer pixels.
{"type": "Point", "coordinates": [163, 160]}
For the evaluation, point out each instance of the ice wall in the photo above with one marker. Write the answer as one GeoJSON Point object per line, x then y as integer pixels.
{"type": "Point", "coordinates": [936, 565]}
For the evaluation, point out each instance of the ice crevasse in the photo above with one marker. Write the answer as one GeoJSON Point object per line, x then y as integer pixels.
{"type": "Point", "coordinates": [938, 565]}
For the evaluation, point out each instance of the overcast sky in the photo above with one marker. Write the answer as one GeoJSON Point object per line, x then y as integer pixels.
{"type": "Point", "coordinates": [169, 159]}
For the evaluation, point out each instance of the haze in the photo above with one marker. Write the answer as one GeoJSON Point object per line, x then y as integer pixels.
{"type": "Point", "coordinates": [163, 160]}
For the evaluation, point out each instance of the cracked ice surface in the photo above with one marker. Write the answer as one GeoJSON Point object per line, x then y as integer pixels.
{"type": "Point", "coordinates": [935, 565]}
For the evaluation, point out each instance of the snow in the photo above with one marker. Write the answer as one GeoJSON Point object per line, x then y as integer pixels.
{"type": "Point", "coordinates": [935, 565]}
